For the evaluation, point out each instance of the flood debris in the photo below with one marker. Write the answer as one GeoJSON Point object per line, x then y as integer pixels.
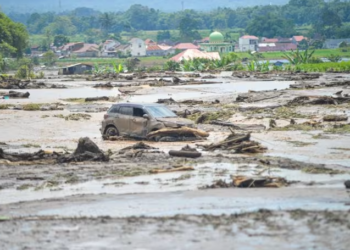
{"type": "Point", "coordinates": [96, 99]}
{"type": "Point", "coordinates": [238, 143]}
{"type": "Point", "coordinates": [347, 184]}
{"type": "Point", "coordinates": [171, 101]}
{"type": "Point", "coordinates": [239, 126]}
{"type": "Point", "coordinates": [335, 118]}
{"type": "Point", "coordinates": [141, 149]}
{"type": "Point", "coordinates": [16, 94]}
{"type": "Point", "coordinates": [169, 170]}
{"type": "Point", "coordinates": [103, 85]}
{"type": "Point", "coordinates": [186, 151]}
{"type": "Point", "coordinates": [256, 96]}
{"type": "Point", "coordinates": [255, 182]}
{"type": "Point", "coordinates": [318, 100]}
{"type": "Point", "coordinates": [177, 134]}
{"type": "Point", "coordinates": [74, 117]}
{"type": "Point", "coordinates": [86, 150]}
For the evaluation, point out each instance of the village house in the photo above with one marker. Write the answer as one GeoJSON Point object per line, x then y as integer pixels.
{"type": "Point", "coordinates": [79, 49]}
{"type": "Point", "coordinates": [297, 39]}
{"type": "Point", "coordinates": [137, 47]}
{"type": "Point", "coordinates": [109, 48]}
{"type": "Point", "coordinates": [185, 46]}
{"type": "Point", "coordinates": [195, 53]}
{"type": "Point", "coordinates": [79, 68]}
{"type": "Point", "coordinates": [217, 44]}
{"type": "Point", "coordinates": [248, 43]}
{"type": "Point", "coordinates": [334, 43]}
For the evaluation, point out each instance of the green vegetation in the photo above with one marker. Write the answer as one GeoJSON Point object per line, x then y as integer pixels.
{"type": "Point", "coordinates": [301, 143]}
{"type": "Point", "coordinates": [30, 145]}
{"type": "Point", "coordinates": [339, 129]}
{"type": "Point", "coordinates": [318, 170]}
{"type": "Point", "coordinates": [31, 107]}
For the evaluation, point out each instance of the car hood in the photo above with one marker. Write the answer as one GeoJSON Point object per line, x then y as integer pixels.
{"type": "Point", "coordinates": [177, 120]}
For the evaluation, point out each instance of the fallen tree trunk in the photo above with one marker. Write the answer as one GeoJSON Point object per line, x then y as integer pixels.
{"type": "Point", "coordinates": [335, 118]}
{"type": "Point", "coordinates": [158, 171]}
{"type": "Point", "coordinates": [96, 99]}
{"type": "Point", "coordinates": [15, 94]}
{"type": "Point", "coordinates": [239, 126]}
{"type": "Point", "coordinates": [184, 153]}
{"type": "Point", "coordinates": [183, 131]}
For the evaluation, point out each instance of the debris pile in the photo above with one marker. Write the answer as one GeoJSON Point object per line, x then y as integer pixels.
{"type": "Point", "coordinates": [15, 94]}
{"type": "Point", "coordinates": [177, 134]}
{"type": "Point", "coordinates": [138, 150]}
{"type": "Point", "coordinates": [186, 151]}
{"type": "Point", "coordinates": [256, 96]}
{"type": "Point", "coordinates": [239, 143]}
{"type": "Point", "coordinates": [86, 150]}
{"type": "Point", "coordinates": [318, 100]}
{"type": "Point", "coordinates": [335, 118]}
{"type": "Point", "coordinates": [169, 170]}
{"type": "Point", "coordinates": [103, 85]}
{"type": "Point", "coordinates": [250, 182]}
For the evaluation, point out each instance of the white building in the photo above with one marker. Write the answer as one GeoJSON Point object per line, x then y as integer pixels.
{"type": "Point", "coordinates": [248, 43]}
{"type": "Point", "coordinates": [138, 47]}
{"type": "Point", "coordinates": [109, 48]}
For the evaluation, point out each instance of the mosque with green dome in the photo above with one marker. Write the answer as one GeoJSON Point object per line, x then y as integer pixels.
{"type": "Point", "coordinates": [217, 44]}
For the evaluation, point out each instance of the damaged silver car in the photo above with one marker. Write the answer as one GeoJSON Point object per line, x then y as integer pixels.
{"type": "Point", "coordinates": [137, 120]}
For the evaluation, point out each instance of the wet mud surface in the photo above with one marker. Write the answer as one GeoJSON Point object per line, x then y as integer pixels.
{"type": "Point", "coordinates": [122, 204]}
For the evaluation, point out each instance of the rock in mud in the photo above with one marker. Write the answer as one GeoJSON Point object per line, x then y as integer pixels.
{"type": "Point", "coordinates": [186, 151]}
{"type": "Point", "coordinates": [15, 94]}
{"type": "Point", "coordinates": [335, 118]}
{"type": "Point", "coordinates": [96, 99]}
{"type": "Point", "coordinates": [347, 184]}
{"type": "Point", "coordinates": [103, 85]}
{"type": "Point", "coordinates": [86, 150]}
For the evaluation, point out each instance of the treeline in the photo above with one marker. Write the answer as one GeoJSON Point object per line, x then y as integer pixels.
{"type": "Point", "coordinates": [327, 19]}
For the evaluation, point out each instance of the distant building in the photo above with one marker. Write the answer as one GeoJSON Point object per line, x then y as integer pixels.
{"type": "Point", "coordinates": [137, 47]}
{"type": "Point", "coordinates": [195, 53]}
{"type": "Point", "coordinates": [269, 47]}
{"type": "Point", "coordinates": [334, 43]}
{"type": "Point", "coordinates": [185, 46]}
{"type": "Point", "coordinates": [159, 50]}
{"type": "Point", "coordinates": [109, 48]}
{"type": "Point", "coordinates": [150, 42]}
{"type": "Point", "coordinates": [80, 49]}
{"type": "Point", "coordinates": [297, 39]}
{"type": "Point", "coordinates": [248, 43]}
{"type": "Point", "coordinates": [217, 44]}
{"type": "Point", "coordinates": [74, 69]}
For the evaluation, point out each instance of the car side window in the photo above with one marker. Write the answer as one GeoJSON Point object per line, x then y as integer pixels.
{"type": "Point", "coordinates": [138, 112]}
{"type": "Point", "coordinates": [126, 111]}
{"type": "Point", "coordinates": [114, 110]}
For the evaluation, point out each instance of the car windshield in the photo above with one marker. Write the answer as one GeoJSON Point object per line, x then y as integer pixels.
{"type": "Point", "coordinates": [160, 112]}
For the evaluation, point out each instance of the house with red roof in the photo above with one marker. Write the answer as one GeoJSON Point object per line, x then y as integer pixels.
{"type": "Point", "coordinates": [184, 46]}
{"type": "Point", "coordinates": [248, 43]}
{"type": "Point", "coordinates": [190, 54]}
{"type": "Point", "coordinates": [297, 39]}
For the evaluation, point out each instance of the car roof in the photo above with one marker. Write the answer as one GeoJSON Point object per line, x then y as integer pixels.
{"type": "Point", "coordinates": [138, 105]}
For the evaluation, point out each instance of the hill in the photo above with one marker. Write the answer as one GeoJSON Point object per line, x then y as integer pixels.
{"type": "Point", "coordinates": [26, 6]}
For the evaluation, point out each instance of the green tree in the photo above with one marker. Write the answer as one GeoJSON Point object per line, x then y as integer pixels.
{"type": "Point", "coordinates": [163, 35]}
{"type": "Point", "coordinates": [13, 37]}
{"type": "Point", "coordinates": [49, 58]}
{"type": "Point", "coordinates": [60, 40]}
{"type": "Point", "coordinates": [187, 28]}
{"type": "Point", "coordinates": [270, 26]}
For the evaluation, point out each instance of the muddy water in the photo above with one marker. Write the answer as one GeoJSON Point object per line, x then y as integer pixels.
{"type": "Point", "coordinates": [55, 95]}
{"type": "Point", "coordinates": [204, 174]}
{"type": "Point", "coordinates": [207, 90]}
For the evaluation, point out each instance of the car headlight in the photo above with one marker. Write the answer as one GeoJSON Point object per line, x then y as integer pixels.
{"type": "Point", "coordinates": [172, 125]}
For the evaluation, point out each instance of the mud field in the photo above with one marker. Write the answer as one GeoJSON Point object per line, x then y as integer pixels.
{"type": "Point", "coordinates": [282, 186]}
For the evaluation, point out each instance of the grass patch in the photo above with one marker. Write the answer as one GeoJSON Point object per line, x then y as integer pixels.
{"type": "Point", "coordinates": [320, 136]}
{"type": "Point", "coordinates": [31, 107]}
{"type": "Point", "coordinates": [286, 112]}
{"type": "Point", "coordinates": [4, 106]}
{"type": "Point", "coordinates": [301, 143]}
{"type": "Point", "coordinates": [24, 187]}
{"type": "Point", "coordinates": [339, 129]}
{"type": "Point", "coordinates": [29, 145]}
{"type": "Point", "coordinates": [77, 100]}
{"type": "Point", "coordinates": [74, 117]}
{"type": "Point", "coordinates": [315, 170]}
{"type": "Point", "coordinates": [296, 127]}
{"type": "Point", "coordinates": [344, 149]}
{"type": "Point", "coordinates": [211, 116]}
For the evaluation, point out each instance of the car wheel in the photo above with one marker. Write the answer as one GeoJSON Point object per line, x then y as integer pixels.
{"type": "Point", "coordinates": [111, 131]}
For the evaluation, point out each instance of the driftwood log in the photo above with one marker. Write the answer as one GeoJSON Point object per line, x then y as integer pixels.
{"type": "Point", "coordinates": [239, 126]}
{"type": "Point", "coordinates": [177, 132]}
{"type": "Point", "coordinates": [335, 118]}
{"type": "Point", "coordinates": [158, 171]}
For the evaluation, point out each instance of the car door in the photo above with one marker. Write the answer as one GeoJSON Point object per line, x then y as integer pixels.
{"type": "Point", "coordinates": [138, 124]}
{"type": "Point", "coordinates": [123, 121]}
